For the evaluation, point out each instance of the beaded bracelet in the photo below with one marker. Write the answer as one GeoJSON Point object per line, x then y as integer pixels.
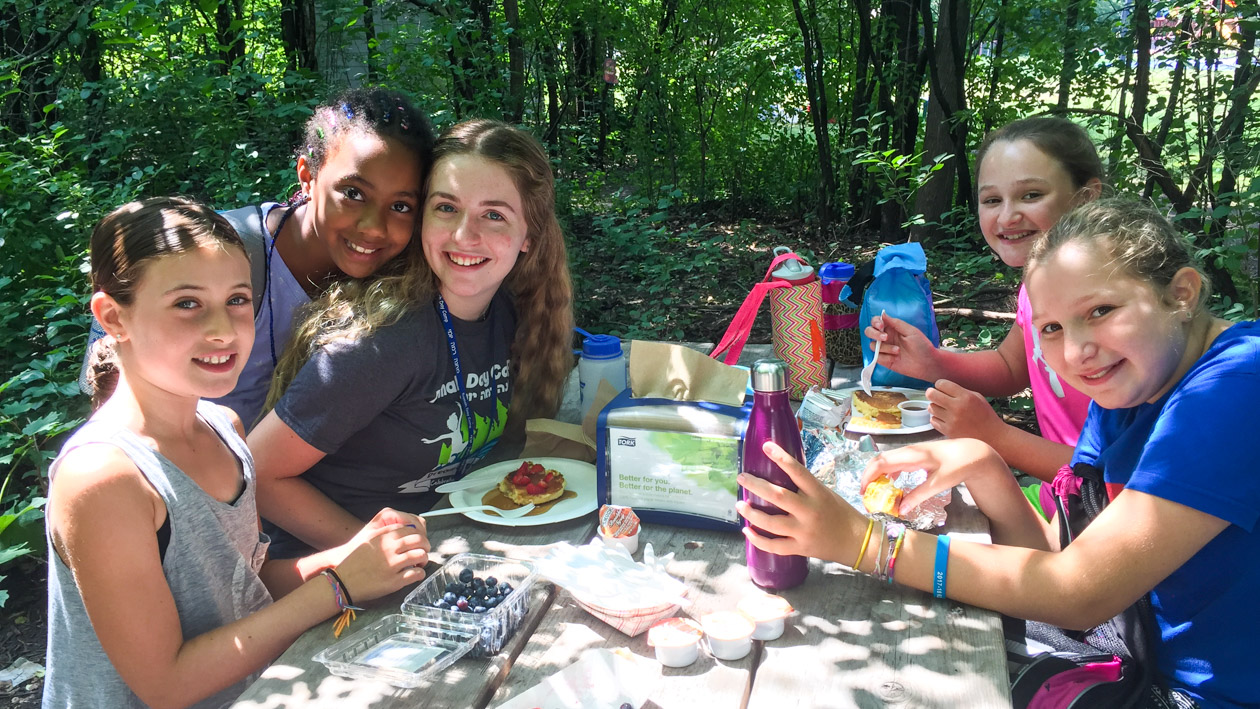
{"type": "Point", "coordinates": [344, 603]}
{"type": "Point", "coordinates": [870, 524]}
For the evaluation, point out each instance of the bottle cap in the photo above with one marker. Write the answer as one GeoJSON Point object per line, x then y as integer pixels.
{"type": "Point", "coordinates": [836, 271]}
{"type": "Point", "coordinates": [769, 375]}
{"type": "Point", "coordinates": [792, 271]}
{"type": "Point", "coordinates": [601, 347]}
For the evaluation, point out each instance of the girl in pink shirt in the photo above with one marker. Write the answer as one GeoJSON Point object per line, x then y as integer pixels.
{"type": "Point", "coordinates": [1030, 172]}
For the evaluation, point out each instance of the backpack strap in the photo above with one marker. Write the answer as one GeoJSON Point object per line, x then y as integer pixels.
{"type": "Point", "coordinates": [248, 222]}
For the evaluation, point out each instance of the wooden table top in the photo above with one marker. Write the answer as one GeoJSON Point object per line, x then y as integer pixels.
{"type": "Point", "coordinates": [853, 642]}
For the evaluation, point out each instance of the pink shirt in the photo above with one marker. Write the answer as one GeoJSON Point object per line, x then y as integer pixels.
{"type": "Point", "coordinates": [1060, 409]}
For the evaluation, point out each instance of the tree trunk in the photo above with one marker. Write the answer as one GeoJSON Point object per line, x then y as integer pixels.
{"type": "Point", "coordinates": [995, 73]}
{"type": "Point", "coordinates": [947, 127]}
{"type": "Point", "coordinates": [816, 87]}
{"type": "Point", "coordinates": [297, 34]}
{"type": "Point", "coordinates": [1067, 71]}
{"type": "Point", "coordinates": [515, 107]}
{"type": "Point", "coordinates": [369, 39]}
{"type": "Point", "coordinates": [230, 39]}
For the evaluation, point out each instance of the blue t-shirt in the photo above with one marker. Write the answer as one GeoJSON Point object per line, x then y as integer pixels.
{"type": "Point", "coordinates": [1197, 446]}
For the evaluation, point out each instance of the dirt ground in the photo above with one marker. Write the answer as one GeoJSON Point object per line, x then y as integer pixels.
{"type": "Point", "coordinates": [23, 628]}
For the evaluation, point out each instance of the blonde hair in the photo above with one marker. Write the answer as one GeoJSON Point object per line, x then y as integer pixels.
{"type": "Point", "coordinates": [538, 284]}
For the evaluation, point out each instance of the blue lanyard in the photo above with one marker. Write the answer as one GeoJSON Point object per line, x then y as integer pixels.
{"type": "Point", "coordinates": [469, 416]}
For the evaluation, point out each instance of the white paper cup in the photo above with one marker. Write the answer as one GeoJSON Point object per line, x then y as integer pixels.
{"type": "Point", "coordinates": [914, 413]}
{"type": "Point", "coordinates": [630, 543]}
{"type": "Point", "coordinates": [729, 633]}
{"type": "Point", "coordinates": [677, 641]}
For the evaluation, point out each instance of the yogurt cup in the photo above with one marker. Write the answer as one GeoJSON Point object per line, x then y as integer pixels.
{"type": "Point", "coordinates": [767, 612]}
{"type": "Point", "coordinates": [677, 641]}
{"type": "Point", "coordinates": [730, 634]}
{"type": "Point", "coordinates": [914, 413]}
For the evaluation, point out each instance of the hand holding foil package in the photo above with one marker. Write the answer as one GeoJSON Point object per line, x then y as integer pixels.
{"type": "Point", "coordinates": [839, 462]}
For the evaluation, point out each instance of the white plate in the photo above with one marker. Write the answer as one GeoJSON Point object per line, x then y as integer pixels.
{"type": "Point", "coordinates": [911, 394]}
{"type": "Point", "coordinates": [578, 477]}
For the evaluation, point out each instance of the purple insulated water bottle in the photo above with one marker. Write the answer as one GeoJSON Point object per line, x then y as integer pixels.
{"type": "Point", "coordinates": [771, 419]}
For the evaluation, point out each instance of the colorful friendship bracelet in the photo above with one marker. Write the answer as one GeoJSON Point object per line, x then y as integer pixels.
{"type": "Point", "coordinates": [892, 560]}
{"type": "Point", "coordinates": [941, 569]}
{"type": "Point", "coordinates": [344, 603]}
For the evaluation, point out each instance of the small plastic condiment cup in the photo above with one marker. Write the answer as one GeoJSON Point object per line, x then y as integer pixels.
{"type": "Point", "coordinates": [914, 413]}
{"type": "Point", "coordinates": [630, 543]}
{"type": "Point", "coordinates": [767, 611]}
{"type": "Point", "coordinates": [677, 641]}
{"type": "Point", "coordinates": [730, 634]}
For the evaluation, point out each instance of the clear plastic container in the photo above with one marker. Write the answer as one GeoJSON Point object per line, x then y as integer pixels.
{"type": "Point", "coordinates": [404, 649]}
{"type": "Point", "coordinates": [495, 626]}
{"type": "Point", "coordinates": [399, 649]}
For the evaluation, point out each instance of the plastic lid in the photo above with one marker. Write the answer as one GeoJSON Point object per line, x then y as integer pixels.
{"type": "Point", "coordinates": [836, 271]}
{"type": "Point", "coordinates": [792, 270]}
{"type": "Point", "coordinates": [769, 375]}
{"type": "Point", "coordinates": [601, 347]}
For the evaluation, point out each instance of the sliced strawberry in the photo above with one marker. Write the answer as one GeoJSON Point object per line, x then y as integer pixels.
{"type": "Point", "coordinates": [536, 469]}
{"type": "Point", "coordinates": [548, 477]}
{"type": "Point", "coordinates": [534, 489]}
{"type": "Point", "coordinates": [520, 480]}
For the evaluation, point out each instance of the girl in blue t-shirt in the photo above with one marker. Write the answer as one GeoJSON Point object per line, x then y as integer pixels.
{"type": "Point", "coordinates": [360, 170]}
{"type": "Point", "coordinates": [160, 592]}
{"type": "Point", "coordinates": [1120, 308]}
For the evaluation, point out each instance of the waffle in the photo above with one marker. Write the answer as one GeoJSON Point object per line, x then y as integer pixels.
{"type": "Point", "coordinates": [532, 484]}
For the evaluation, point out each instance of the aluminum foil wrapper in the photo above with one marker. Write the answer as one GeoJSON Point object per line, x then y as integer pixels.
{"type": "Point", "coordinates": [838, 462]}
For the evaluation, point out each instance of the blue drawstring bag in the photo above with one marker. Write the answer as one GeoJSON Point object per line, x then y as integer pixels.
{"type": "Point", "coordinates": [900, 288]}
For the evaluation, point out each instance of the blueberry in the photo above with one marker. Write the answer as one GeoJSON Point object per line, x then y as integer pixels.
{"type": "Point", "coordinates": [479, 609]}
{"type": "Point", "coordinates": [627, 705]}
{"type": "Point", "coordinates": [491, 582]}
{"type": "Point", "coordinates": [492, 601]}
{"type": "Point", "coordinates": [450, 597]}
{"type": "Point", "coordinates": [478, 583]}
{"type": "Point", "coordinates": [505, 588]}
{"type": "Point", "coordinates": [466, 575]}
{"type": "Point", "coordinates": [441, 603]}
{"type": "Point", "coordinates": [452, 587]}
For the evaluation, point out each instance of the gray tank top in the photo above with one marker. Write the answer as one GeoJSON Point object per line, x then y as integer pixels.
{"type": "Point", "coordinates": [211, 565]}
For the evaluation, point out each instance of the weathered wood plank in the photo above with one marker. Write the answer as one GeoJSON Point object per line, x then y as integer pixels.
{"type": "Point", "coordinates": [857, 642]}
{"type": "Point", "coordinates": [712, 564]}
{"type": "Point", "coordinates": [296, 680]}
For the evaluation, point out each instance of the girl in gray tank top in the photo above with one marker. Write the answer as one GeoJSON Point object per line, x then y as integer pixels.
{"type": "Point", "coordinates": [156, 591]}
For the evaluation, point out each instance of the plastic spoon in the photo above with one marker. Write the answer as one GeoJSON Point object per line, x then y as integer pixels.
{"type": "Point", "coordinates": [506, 514]}
{"type": "Point", "coordinates": [869, 370]}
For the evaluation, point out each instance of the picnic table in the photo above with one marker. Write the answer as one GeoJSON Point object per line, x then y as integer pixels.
{"type": "Point", "coordinates": [853, 642]}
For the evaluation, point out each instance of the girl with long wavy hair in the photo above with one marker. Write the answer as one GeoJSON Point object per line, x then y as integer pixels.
{"type": "Point", "coordinates": [395, 385]}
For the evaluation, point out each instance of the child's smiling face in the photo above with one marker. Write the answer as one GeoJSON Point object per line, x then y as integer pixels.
{"type": "Point", "coordinates": [365, 199]}
{"type": "Point", "coordinates": [190, 325]}
{"type": "Point", "coordinates": [1114, 337]}
{"type": "Point", "coordinates": [1022, 192]}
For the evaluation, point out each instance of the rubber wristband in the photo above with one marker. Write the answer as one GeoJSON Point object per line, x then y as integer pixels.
{"type": "Point", "coordinates": [870, 525]}
{"type": "Point", "coordinates": [941, 570]}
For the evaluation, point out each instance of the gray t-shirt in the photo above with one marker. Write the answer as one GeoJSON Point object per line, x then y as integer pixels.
{"type": "Point", "coordinates": [211, 565]}
{"type": "Point", "coordinates": [385, 409]}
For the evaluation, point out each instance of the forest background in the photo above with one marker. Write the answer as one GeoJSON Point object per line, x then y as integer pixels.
{"type": "Point", "coordinates": [688, 138]}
